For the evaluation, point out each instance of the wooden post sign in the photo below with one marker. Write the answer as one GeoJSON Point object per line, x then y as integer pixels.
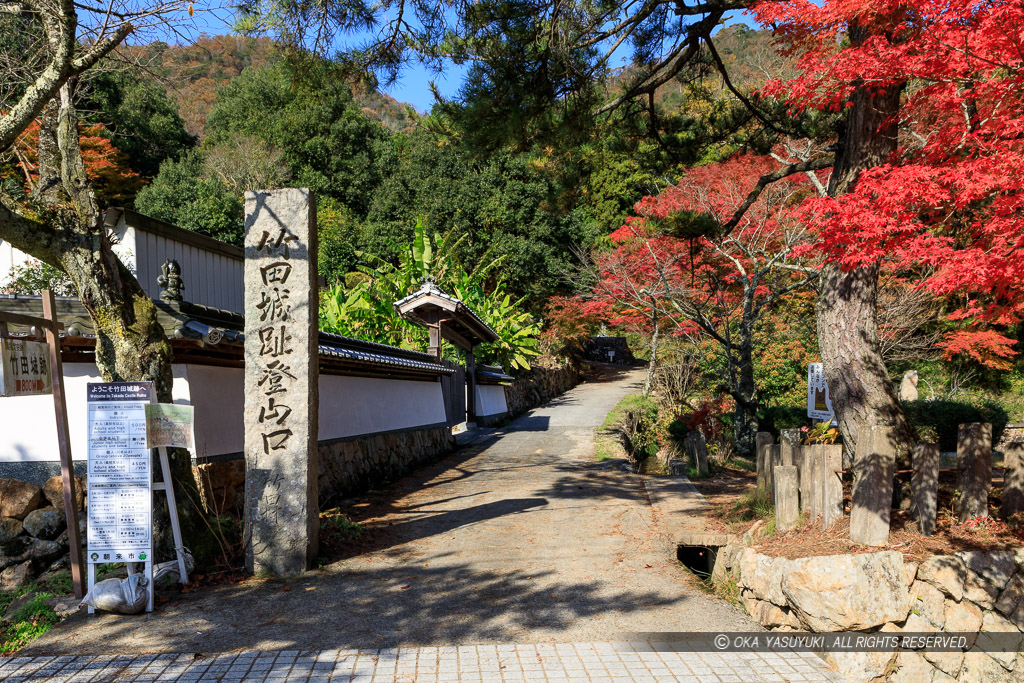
{"type": "Point", "coordinates": [28, 367]}
{"type": "Point", "coordinates": [24, 368]}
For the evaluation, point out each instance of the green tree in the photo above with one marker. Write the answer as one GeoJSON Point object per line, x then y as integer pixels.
{"type": "Point", "coordinates": [338, 233]}
{"type": "Point", "coordinates": [507, 205]}
{"type": "Point", "coordinates": [183, 195]}
{"type": "Point", "coordinates": [142, 122]}
{"type": "Point", "coordinates": [326, 141]}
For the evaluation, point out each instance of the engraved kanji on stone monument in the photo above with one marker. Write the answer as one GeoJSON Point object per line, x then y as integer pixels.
{"type": "Point", "coordinates": [281, 377]}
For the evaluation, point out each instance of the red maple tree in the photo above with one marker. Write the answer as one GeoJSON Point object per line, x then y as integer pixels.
{"type": "Point", "coordinates": [677, 268]}
{"type": "Point", "coordinates": [107, 167]}
{"type": "Point", "coordinates": [947, 202]}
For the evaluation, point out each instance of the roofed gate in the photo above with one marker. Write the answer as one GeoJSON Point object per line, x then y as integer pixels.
{"type": "Point", "coordinates": [446, 317]}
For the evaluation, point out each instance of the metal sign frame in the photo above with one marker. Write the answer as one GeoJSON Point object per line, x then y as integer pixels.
{"type": "Point", "coordinates": [167, 487]}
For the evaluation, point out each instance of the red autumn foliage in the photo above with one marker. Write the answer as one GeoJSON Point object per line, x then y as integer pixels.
{"type": "Point", "coordinates": [107, 168]}
{"type": "Point", "coordinates": [950, 202]}
{"type": "Point", "coordinates": [674, 250]}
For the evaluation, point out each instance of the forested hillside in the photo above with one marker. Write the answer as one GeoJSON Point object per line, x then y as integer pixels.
{"type": "Point", "coordinates": [193, 74]}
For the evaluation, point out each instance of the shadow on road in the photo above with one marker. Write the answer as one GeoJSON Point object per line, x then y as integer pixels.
{"type": "Point", "coordinates": [356, 608]}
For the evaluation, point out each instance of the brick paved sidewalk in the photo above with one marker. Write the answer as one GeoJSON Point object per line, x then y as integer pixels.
{"type": "Point", "coordinates": [562, 663]}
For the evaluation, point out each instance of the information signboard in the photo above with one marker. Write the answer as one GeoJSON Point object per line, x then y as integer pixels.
{"type": "Point", "coordinates": [819, 403]}
{"type": "Point", "coordinates": [120, 473]}
{"type": "Point", "coordinates": [24, 368]}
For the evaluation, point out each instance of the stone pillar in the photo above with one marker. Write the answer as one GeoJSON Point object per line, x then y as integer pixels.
{"type": "Point", "coordinates": [974, 460]}
{"type": "Point", "coordinates": [874, 467]}
{"type": "Point", "coordinates": [700, 453]}
{"type": "Point", "coordinates": [281, 381]}
{"type": "Point", "coordinates": [762, 441]}
{"type": "Point", "coordinates": [787, 508]}
{"type": "Point", "coordinates": [1013, 479]}
{"type": "Point", "coordinates": [790, 443]}
{"type": "Point", "coordinates": [924, 486]}
{"type": "Point", "coordinates": [808, 504]}
{"type": "Point", "coordinates": [772, 460]}
{"type": "Point", "coordinates": [908, 387]}
{"type": "Point", "coordinates": [831, 459]}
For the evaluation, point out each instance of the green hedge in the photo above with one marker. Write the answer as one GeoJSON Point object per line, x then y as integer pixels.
{"type": "Point", "coordinates": [947, 416]}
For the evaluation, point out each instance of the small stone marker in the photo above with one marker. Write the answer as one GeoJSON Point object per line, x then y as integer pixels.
{"type": "Point", "coordinates": [762, 441]}
{"type": "Point", "coordinates": [1013, 479]}
{"type": "Point", "coordinates": [874, 466]}
{"type": "Point", "coordinates": [924, 486]}
{"type": "Point", "coordinates": [787, 492]}
{"type": "Point", "coordinates": [831, 462]}
{"type": "Point", "coordinates": [699, 452]}
{"type": "Point", "coordinates": [281, 381]}
{"type": "Point", "coordinates": [772, 460]}
{"type": "Point", "coordinates": [908, 387]}
{"type": "Point", "coordinates": [974, 460]}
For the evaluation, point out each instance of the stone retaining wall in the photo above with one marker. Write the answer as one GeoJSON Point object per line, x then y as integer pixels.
{"type": "Point", "coordinates": [976, 592]}
{"type": "Point", "coordinates": [33, 529]}
{"type": "Point", "coordinates": [538, 386]}
{"type": "Point", "coordinates": [349, 466]}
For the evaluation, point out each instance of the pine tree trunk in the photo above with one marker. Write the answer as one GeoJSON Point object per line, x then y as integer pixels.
{"type": "Point", "coordinates": [858, 382]}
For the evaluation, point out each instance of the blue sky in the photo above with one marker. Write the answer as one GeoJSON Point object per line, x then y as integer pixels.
{"type": "Point", "coordinates": [414, 85]}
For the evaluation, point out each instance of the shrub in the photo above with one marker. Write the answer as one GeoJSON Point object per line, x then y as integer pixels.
{"type": "Point", "coordinates": [777, 418]}
{"type": "Point", "coordinates": [945, 417]}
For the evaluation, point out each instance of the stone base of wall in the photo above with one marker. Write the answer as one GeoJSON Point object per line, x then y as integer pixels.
{"type": "Point", "coordinates": [349, 466]}
{"type": "Point", "coordinates": [538, 386]}
{"type": "Point", "coordinates": [980, 593]}
{"type": "Point", "coordinates": [491, 420]}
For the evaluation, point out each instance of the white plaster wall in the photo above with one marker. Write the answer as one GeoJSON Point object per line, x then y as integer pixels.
{"type": "Point", "coordinates": [218, 395]}
{"type": "Point", "coordinates": [28, 428]}
{"type": "Point", "coordinates": [490, 400]}
{"type": "Point", "coordinates": [124, 248]}
{"type": "Point", "coordinates": [350, 406]}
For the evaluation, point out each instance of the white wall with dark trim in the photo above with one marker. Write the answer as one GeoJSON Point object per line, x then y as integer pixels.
{"type": "Point", "coordinates": [349, 406]}
{"type": "Point", "coordinates": [490, 400]}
